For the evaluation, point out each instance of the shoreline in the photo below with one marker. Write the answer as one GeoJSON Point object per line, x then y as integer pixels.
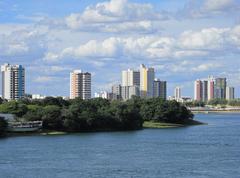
{"type": "Point", "coordinates": [146, 125]}
{"type": "Point", "coordinates": [215, 111]}
{"type": "Point", "coordinates": [164, 125]}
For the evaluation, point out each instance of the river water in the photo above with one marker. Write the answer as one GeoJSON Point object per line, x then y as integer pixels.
{"type": "Point", "coordinates": [211, 150]}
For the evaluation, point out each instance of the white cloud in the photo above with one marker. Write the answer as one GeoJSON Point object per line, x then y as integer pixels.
{"type": "Point", "coordinates": [211, 42]}
{"type": "Point", "coordinates": [22, 43]}
{"type": "Point", "coordinates": [205, 67]}
{"type": "Point", "coordinates": [211, 38]}
{"type": "Point", "coordinates": [190, 53]}
{"type": "Point", "coordinates": [43, 79]}
{"type": "Point", "coordinates": [217, 5]}
{"type": "Point", "coordinates": [116, 16]}
{"type": "Point", "coordinates": [210, 8]}
{"type": "Point", "coordinates": [51, 56]}
{"type": "Point", "coordinates": [234, 36]}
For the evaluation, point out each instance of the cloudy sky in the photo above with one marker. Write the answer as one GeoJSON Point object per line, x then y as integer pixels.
{"type": "Point", "coordinates": [184, 40]}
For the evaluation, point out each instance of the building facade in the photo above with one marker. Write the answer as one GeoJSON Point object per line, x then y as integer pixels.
{"type": "Point", "coordinates": [220, 88]}
{"type": "Point", "coordinates": [201, 90]}
{"type": "Point", "coordinates": [134, 91]}
{"type": "Point", "coordinates": [160, 89]}
{"type": "Point", "coordinates": [147, 76]}
{"type": "Point", "coordinates": [130, 84]}
{"type": "Point", "coordinates": [204, 90]}
{"type": "Point", "coordinates": [130, 78]}
{"type": "Point", "coordinates": [13, 81]}
{"type": "Point", "coordinates": [125, 92]}
{"type": "Point", "coordinates": [210, 88]}
{"type": "Point", "coordinates": [230, 95]}
{"type": "Point", "coordinates": [117, 92]}
{"type": "Point", "coordinates": [80, 84]}
{"type": "Point", "coordinates": [178, 93]}
{"type": "Point", "coordinates": [198, 90]}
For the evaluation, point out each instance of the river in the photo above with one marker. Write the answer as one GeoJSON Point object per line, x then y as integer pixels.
{"type": "Point", "coordinates": [211, 150]}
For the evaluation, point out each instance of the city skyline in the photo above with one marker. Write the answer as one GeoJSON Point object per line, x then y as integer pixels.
{"type": "Point", "coordinates": [134, 82]}
{"type": "Point", "coordinates": [183, 41]}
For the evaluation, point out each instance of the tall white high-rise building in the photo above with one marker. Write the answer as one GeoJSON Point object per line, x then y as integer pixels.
{"type": "Point", "coordinates": [13, 81]}
{"type": "Point", "coordinates": [147, 76]}
{"type": "Point", "coordinates": [130, 78]}
{"type": "Point", "coordinates": [80, 84]}
{"type": "Point", "coordinates": [230, 93]}
{"type": "Point", "coordinates": [177, 93]}
{"type": "Point", "coordinates": [130, 84]}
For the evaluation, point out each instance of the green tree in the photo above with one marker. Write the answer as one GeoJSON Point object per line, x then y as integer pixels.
{"type": "Point", "coordinates": [35, 113]}
{"type": "Point", "coordinates": [14, 107]}
{"type": "Point", "coordinates": [58, 101]}
{"type": "Point", "coordinates": [217, 101]}
{"type": "Point", "coordinates": [52, 118]}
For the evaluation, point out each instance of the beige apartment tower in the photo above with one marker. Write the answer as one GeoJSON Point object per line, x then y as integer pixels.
{"type": "Point", "coordinates": [130, 78]}
{"type": "Point", "coordinates": [147, 76]}
{"type": "Point", "coordinates": [80, 84]}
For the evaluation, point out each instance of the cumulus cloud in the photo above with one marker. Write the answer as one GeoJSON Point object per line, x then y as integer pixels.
{"type": "Point", "coordinates": [234, 36]}
{"type": "Point", "coordinates": [22, 43]}
{"type": "Point", "coordinates": [211, 38]}
{"type": "Point", "coordinates": [205, 67]}
{"type": "Point", "coordinates": [208, 8]}
{"type": "Point", "coordinates": [116, 16]}
{"type": "Point", "coordinates": [203, 43]}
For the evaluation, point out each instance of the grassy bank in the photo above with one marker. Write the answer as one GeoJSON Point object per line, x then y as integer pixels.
{"type": "Point", "coordinates": [49, 132]}
{"type": "Point", "coordinates": [160, 125]}
{"type": "Point", "coordinates": [163, 125]}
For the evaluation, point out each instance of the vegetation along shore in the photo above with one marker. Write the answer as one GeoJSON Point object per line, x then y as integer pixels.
{"type": "Point", "coordinates": [77, 115]}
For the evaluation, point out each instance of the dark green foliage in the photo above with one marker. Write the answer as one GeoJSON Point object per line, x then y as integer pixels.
{"type": "Point", "coordinates": [160, 110]}
{"type": "Point", "coordinates": [217, 102]}
{"type": "Point", "coordinates": [59, 101]}
{"type": "Point", "coordinates": [235, 102]}
{"type": "Point", "coordinates": [3, 126]}
{"type": "Point", "coordinates": [14, 107]}
{"type": "Point", "coordinates": [195, 104]}
{"type": "Point", "coordinates": [35, 113]}
{"type": "Point", "coordinates": [52, 118]}
{"type": "Point", "coordinates": [214, 102]}
{"type": "Point", "coordinates": [100, 114]}
{"type": "Point", "coordinates": [97, 114]}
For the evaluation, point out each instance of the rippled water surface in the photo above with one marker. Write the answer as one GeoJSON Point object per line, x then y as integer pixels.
{"type": "Point", "coordinates": [211, 150]}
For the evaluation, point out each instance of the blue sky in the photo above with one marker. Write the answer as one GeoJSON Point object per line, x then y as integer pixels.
{"type": "Point", "coordinates": [184, 40]}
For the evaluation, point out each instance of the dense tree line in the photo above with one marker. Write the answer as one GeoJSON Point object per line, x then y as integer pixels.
{"type": "Point", "coordinates": [235, 102]}
{"type": "Point", "coordinates": [214, 102]}
{"type": "Point", "coordinates": [195, 104]}
{"type": "Point", "coordinates": [97, 114]}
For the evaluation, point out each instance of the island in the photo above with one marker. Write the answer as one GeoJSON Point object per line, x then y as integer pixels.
{"type": "Point", "coordinates": [59, 116]}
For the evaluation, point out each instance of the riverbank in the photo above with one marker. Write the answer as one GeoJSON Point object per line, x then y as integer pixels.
{"type": "Point", "coordinates": [160, 125]}
{"type": "Point", "coordinates": [163, 125]}
{"type": "Point", "coordinates": [214, 111]}
{"type": "Point", "coordinates": [40, 132]}
{"type": "Point", "coordinates": [146, 125]}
